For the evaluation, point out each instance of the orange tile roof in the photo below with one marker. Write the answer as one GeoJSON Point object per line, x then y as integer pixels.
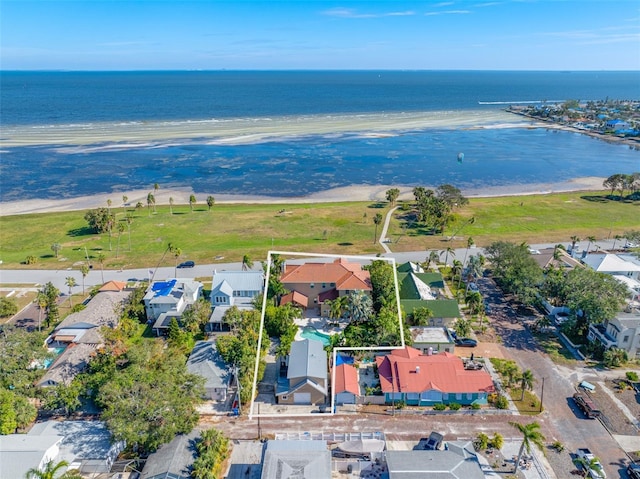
{"type": "Point", "coordinates": [113, 286]}
{"type": "Point", "coordinates": [407, 370]}
{"type": "Point", "coordinates": [346, 380]}
{"type": "Point", "coordinates": [296, 298]}
{"type": "Point", "coordinates": [344, 274]}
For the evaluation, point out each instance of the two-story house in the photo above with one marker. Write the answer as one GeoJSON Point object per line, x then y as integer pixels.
{"type": "Point", "coordinates": [622, 332]}
{"type": "Point", "coordinates": [169, 299]}
{"type": "Point", "coordinates": [316, 283]}
{"type": "Point", "coordinates": [233, 288]}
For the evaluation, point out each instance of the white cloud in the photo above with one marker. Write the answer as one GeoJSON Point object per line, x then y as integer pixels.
{"type": "Point", "coordinates": [448, 12]}
{"type": "Point", "coordinates": [352, 13]}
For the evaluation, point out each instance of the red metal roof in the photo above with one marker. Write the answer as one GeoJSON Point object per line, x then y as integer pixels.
{"type": "Point", "coordinates": [346, 380]}
{"type": "Point", "coordinates": [407, 370]}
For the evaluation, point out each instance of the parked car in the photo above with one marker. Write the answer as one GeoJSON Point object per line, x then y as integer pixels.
{"type": "Point", "coordinates": [187, 264]}
{"type": "Point", "coordinates": [630, 244]}
{"type": "Point", "coordinates": [466, 342]}
{"type": "Point", "coordinates": [487, 308]}
{"type": "Point", "coordinates": [634, 471]}
{"type": "Point", "coordinates": [593, 467]}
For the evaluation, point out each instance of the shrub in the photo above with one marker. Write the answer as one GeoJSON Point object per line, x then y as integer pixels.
{"type": "Point", "coordinates": [497, 441]}
{"type": "Point", "coordinates": [439, 407]}
{"type": "Point", "coordinates": [454, 406]}
{"type": "Point", "coordinates": [30, 259]}
{"type": "Point", "coordinates": [475, 406]}
{"type": "Point", "coordinates": [8, 307]}
{"type": "Point", "coordinates": [481, 442]}
{"type": "Point", "coordinates": [77, 308]}
{"type": "Point", "coordinates": [502, 402]}
{"type": "Point", "coordinates": [632, 375]}
{"type": "Point", "coordinates": [401, 405]}
{"type": "Point", "coordinates": [558, 446]}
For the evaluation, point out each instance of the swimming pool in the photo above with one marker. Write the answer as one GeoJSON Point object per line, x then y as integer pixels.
{"type": "Point", "coordinates": [312, 333]}
{"type": "Point", "coordinates": [49, 361]}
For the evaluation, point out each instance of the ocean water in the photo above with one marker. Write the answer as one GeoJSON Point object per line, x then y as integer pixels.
{"type": "Point", "coordinates": [68, 134]}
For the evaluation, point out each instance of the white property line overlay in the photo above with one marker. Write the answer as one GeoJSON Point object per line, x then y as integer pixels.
{"type": "Point", "coordinates": [288, 254]}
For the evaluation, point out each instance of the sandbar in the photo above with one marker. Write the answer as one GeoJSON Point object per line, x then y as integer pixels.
{"type": "Point", "coordinates": [345, 193]}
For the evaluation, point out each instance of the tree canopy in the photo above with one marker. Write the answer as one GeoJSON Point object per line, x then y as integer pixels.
{"type": "Point", "coordinates": [515, 270]}
{"type": "Point", "coordinates": [100, 220]}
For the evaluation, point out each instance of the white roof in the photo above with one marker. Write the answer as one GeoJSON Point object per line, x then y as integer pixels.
{"type": "Point", "coordinates": [239, 280]}
{"type": "Point", "coordinates": [609, 263]}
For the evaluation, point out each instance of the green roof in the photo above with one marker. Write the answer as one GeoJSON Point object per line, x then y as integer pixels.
{"type": "Point", "coordinates": [408, 289]}
{"type": "Point", "coordinates": [441, 308]}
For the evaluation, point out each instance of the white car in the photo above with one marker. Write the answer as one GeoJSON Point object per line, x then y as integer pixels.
{"type": "Point", "coordinates": [630, 244]}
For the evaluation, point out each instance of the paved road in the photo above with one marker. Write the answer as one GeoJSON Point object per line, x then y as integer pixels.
{"type": "Point", "coordinates": [565, 423]}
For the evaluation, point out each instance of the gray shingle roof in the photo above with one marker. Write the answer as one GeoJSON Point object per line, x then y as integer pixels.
{"type": "Point", "coordinates": [296, 460]}
{"type": "Point", "coordinates": [239, 280]}
{"type": "Point", "coordinates": [205, 361]}
{"type": "Point", "coordinates": [458, 462]}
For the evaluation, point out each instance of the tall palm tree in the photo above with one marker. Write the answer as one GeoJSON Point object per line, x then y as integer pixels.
{"type": "Point", "coordinates": [470, 243]}
{"type": "Point", "coordinates": [530, 435]}
{"type": "Point", "coordinates": [101, 258]}
{"type": "Point", "coordinates": [432, 258]}
{"type": "Point", "coordinates": [70, 281]}
{"type": "Point", "coordinates": [129, 220]}
{"type": "Point", "coordinates": [51, 470]}
{"type": "Point", "coordinates": [121, 228]}
{"type": "Point", "coordinates": [176, 254]}
{"type": "Point", "coordinates": [109, 203]}
{"type": "Point", "coordinates": [447, 252]}
{"type": "Point", "coordinates": [125, 198]}
{"type": "Point", "coordinates": [210, 202]}
{"type": "Point", "coordinates": [42, 301]}
{"type": "Point", "coordinates": [456, 270]}
{"type": "Point", "coordinates": [56, 247]}
{"type": "Point", "coordinates": [170, 204]}
{"type": "Point", "coordinates": [526, 382]}
{"type": "Point", "coordinates": [377, 219]}
{"type": "Point", "coordinates": [474, 302]}
{"type": "Point", "coordinates": [359, 306]}
{"type": "Point", "coordinates": [84, 270]}
{"type": "Point", "coordinates": [151, 201]}
{"type": "Point", "coordinates": [574, 240]}
{"type": "Point", "coordinates": [247, 263]}
{"type": "Point", "coordinates": [591, 239]}
{"type": "Point", "coordinates": [192, 202]}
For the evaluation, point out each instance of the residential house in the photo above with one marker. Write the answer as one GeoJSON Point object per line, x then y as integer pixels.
{"type": "Point", "coordinates": [172, 460]}
{"type": "Point", "coordinates": [206, 361]}
{"type": "Point", "coordinates": [319, 282]}
{"type": "Point", "coordinates": [79, 333]}
{"type": "Point", "coordinates": [426, 290]}
{"type": "Point", "coordinates": [85, 445]}
{"type": "Point", "coordinates": [113, 286]}
{"type": "Point", "coordinates": [457, 461]}
{"type": "Point", "coordinates": [556, 258]}
{"type": "Point", "coordinates": [306, 375]}
{"type": "Point", "coordinates": [431, 340]}
{"type": "Point", "coordinates": [612, 264]}
{"type": "Point", "coordinates": [422, 380]}
{"type": "Point", "coordinates": [622, 332]}
{"type": "Point", "coordinates": [616, 125]}
{"type": "Point", "coordinates": [169, 299]}
{"type": "Point", "coordinates": [233, 288]}
{"type": "Point", "coordinates": [345, 385]}
{"type": "Point", "coordinates": [286, 459]}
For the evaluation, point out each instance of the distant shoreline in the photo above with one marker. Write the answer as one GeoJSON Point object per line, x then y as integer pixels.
{"type": "Point", "coordinates": [342, 194]}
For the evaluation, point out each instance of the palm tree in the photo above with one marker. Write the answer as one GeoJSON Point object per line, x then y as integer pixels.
{"type": "Point", "coordinates": [448, 251]}
{"type": "Point", "coordinates": [337, 307]}
{"type": "Point", "coordinates": [470, 243]}
{"type": "Point", "coordinates": [456, 270]}
{"type": "Point", "coordinates": [109, 203]}
{"type": "Point", "coordinates": [432, 258]}
{"type": "Point", "coordinates": [56, 247]}
{"type": "Point", "coordinates": [121, 229]}
{"type": "Point", "coordinates": [247, 263]}
{"type": "Point", "coordinates": [574, 240]}
{"type": "Point", "coordinates": [192, 201]}
{"type": "Point", "coordinates": [210, 202]}
{"type": "Point", "coordinates": [176, 254]}
{"type": "Point", "coordinates": [129, 220]}
{"type": "Point", "coordinates": [70, 281]}
{"type": "Point", "coordinates": [530, 435]}
{"type": "Point", "coordinates": [42, 301]}
{"type": "Point", "coordinates": [526, 382]}
{"type": "Point", "coordinates": [462, 327]}
{"type": "Point", "coordinates": [84, 270]}
{"type": "Point", "coordinates": [125, 198]}
{"type": "Point", "coordinates": [170, 204]}
{"type": "Point", "coordinates": [151, 200]}
{"type": "Point", "coordinates": [474, 302]}
{"type": "Point", "coordinates": [615, 238]}
{"type": "Point", "coordinates": [591, 239]}
{"type": "Point", "coordinates": [377, 219]}
{"type": "Point", "coordinates": [51, 471]}
{"type": "Point", "coordinates": [101, 257]}
{"type": "Point", "coordinates": [359, 306]}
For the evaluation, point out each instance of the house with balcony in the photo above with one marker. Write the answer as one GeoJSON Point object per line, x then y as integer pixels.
{"type": "Point", "coordinates": [233, 288]}
{"type": "Point", "coordinates": [315, 283]}
{"type": "Point", "coordinates": [166, 300]}
{"type": "Point", "coordinates": [622, 332]}
{"type": "Point", "coordinates": [424, 380]}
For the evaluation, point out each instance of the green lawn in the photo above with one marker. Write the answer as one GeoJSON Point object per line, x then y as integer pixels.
{"type": "Point", "coordinates": [228, 232]}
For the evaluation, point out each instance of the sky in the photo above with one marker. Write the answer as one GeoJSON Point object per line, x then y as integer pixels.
{"type": "Point", "coordinates": [310, 34]}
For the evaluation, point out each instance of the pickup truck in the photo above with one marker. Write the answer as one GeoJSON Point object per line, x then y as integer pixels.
{"type": "Point", "coordinates": [586, 405]}
{"type": "Point", "coordinates": [589, 461]}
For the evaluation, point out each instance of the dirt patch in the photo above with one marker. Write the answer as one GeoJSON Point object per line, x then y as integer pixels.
{"type": "Point", "coordinates": [627, 396]}
{"type": "Point", "coordinates": [613, 418]}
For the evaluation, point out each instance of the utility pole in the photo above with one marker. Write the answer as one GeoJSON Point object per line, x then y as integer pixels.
{"type": "Point", "coordinates": [542, 394]}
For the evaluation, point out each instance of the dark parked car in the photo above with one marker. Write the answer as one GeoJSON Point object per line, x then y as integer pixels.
{"type": "Point", "coordinates": [187, 264]}
{"type": "Point", "coordinates": [466, 342]}
{"type": "Point", "coordinates": [634, 471]}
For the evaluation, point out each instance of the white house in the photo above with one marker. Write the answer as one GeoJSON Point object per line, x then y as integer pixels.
{"type": "Point", "coordinates": [622, 332]}
{"type": "Point", "coordinates": [612, 264]}
{"type": "Point", "coordinates": [233, 288]}
{"type": "Point", "coordinates": [167, 299]}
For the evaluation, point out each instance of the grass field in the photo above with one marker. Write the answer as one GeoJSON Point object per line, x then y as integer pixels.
{"type": "Point", "coordinates": [228, 232]}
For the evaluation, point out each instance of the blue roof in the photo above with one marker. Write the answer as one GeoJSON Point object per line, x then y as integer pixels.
{"type": "Point", "coordinates": [163, 288]}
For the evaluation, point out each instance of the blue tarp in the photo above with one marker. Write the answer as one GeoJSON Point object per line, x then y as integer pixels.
{"type": "Point", "coordinates": [163, 288]}
{"type": "Point", "coordinates": [340, 359]}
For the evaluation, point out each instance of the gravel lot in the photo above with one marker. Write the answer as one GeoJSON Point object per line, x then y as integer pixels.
{"type": "Point", "coordinates": [614, 419]}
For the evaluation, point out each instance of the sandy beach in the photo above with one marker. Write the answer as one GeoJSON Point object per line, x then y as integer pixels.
{"type": "Point", "coordinates": [348, 193]}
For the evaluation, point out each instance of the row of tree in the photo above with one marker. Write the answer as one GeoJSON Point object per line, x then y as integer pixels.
{"type": "Point", "coordinates": [622, 182]}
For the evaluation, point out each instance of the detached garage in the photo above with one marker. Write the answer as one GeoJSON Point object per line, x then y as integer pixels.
{"type": "Point", "coordinates": [345, 386]}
